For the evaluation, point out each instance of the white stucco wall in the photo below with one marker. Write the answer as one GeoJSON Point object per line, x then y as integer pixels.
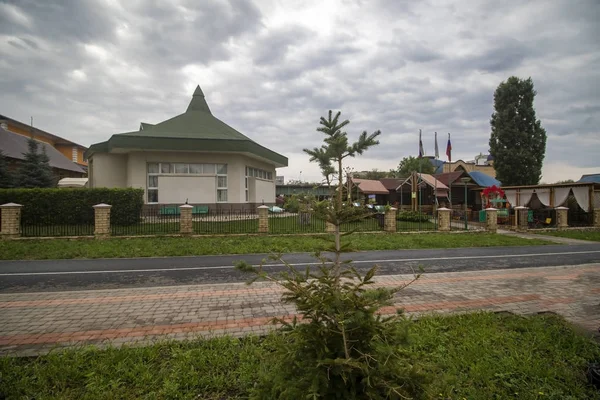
{"type": "Point", "coordinates": [236, 171]}
{"type": "Point", "coordinates": [109, 170]}
{"type": "Point", "coordinates": [265, 190]}
{"type": "Point", "coordinates": [130, 170]}
{"type": "Point", "coordinates": [194, 189]}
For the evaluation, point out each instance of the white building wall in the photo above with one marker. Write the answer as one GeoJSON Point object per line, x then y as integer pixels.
{"type": "Point", "coordinates": [109, 170]}
{"type": "Point", "coordinates": [130, 170]}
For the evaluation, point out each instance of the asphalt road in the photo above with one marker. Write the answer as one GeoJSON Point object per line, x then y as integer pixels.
{"type": "Point", "coordinates": [59, 275]}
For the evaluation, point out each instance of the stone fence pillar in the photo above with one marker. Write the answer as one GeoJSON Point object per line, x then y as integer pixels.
{"type": "Point", "coordinates": [329, 227]}
{"type": "Point", "coordinates": [11, 221]}
{"type": "Point", "coordinates": [491, 220]}
{"type": "Point", "coordinates": [263, 219]}
{"type": "Point", "coordinates": [443, 219]}
{"type": "Point", "coordinates": [597, 218]}
{"type": "Point", "coordinates": [389, 221]}
{"type": "Point", "coordinates": [185, 219]}
{"type": "Point", "coordinates": [522, 214]}
{"type": "Point", "coordinates": [102, 220]}
{"type": "Point", "coordinates": [562, 217]}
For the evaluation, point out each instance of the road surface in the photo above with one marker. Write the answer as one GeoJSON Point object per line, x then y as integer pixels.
{"type": "Point", "coordinates": [66, 275]}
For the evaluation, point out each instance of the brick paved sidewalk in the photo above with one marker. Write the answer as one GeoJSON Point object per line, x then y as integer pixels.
{"type": "Point", "coordinates": [33, 323]}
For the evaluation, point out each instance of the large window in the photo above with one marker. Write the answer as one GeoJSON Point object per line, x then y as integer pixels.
{"type": "Point", "coordinates": [166, 169]}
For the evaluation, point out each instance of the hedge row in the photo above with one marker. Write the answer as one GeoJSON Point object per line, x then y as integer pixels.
{"type": "Point", "coordinates": [412, 216]}
{"type": "Point", "coordinates": [74, 206]}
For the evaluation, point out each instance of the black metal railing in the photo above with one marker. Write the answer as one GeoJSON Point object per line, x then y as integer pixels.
{"type": "Point", "coordinates": [580, 218]}
{"type": "Point", "coordinates": [152, 220]}
{"type": "Point", "coordinates": [541, 218]}
{"type": "Point", "coordinates": [300, 222]}
{"type": "Point", "coordinates": [225, 222]}
{"type": "Point", "coordinates": [80, 223]}
{"type": "Point", "coordinates": [411, 221]}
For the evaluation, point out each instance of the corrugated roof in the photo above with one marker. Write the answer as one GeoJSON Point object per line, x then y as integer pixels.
{"type": "Point", "coordinates": [196, 129]}
{"type": "Point", "coordinates": [369, 186]}
{"type": "Point", "coordinates": [484, 180]}
{"type": "Point", "coordinates": [590, 178]}
{"type": "Point", "coordinates": [14, 145]}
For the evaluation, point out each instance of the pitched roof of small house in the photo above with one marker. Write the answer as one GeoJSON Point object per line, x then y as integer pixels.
{"type": "Point", "coordinates": [370, 186]}
{"type": "Point", "coordinates": [428, 179]}
{"type": "Point", "coordinates": [197, 129]}
{"type": "Point", "coordinates": [590, 178]}
{"type": "Point", "coordinates": [449, 178]}
{"type": "Point", "coordinates": [14, 146]}
{"type": "Point", "coordinates": [391, 183]}
{"type": "Point", "coordinates": [483, 180]}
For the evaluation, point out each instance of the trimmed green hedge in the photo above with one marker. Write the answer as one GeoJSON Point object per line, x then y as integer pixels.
{"type": "Point", "coordinates": [74, 206]}
{"type": "Point", "coordinates": [412, 216]}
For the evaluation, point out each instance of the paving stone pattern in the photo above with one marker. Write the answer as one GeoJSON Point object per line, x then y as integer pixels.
{"type": "Point", "coordinates": [34, 323]}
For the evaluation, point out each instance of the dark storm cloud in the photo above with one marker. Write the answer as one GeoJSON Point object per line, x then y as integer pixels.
{"type": "Point", "coordinates": [89, 69]}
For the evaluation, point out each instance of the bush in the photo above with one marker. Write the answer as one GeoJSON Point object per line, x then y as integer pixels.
{"type": "Point", "coordinates": [412, 216]}
{"type": "Point", "coordinates": [74, 206]}
{"type": "Point", "coordinates": [342, 349]}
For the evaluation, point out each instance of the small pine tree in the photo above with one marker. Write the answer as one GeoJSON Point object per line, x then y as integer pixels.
{"type": "Point", "coordinates": [342, 348]}
{"type": "Point", "coordinates": [6, 179]}
{"type": "Point", "coordinates": [35, 170]}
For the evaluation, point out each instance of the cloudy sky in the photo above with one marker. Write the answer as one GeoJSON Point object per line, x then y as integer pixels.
{"type": "Point", "coordinates": [86, 69]}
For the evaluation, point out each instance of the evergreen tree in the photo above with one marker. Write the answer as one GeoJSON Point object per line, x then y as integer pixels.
{"type": "Point", "coordinates": [6, 179]}
{"type": "Point", "coordinates": [518, 140]}
{"type": "Point", "coordinates": [35, 170]}
{"type": "Point", "coordinates": [342, 349]}
{"type": "Point", "coordinates": [412, 164]}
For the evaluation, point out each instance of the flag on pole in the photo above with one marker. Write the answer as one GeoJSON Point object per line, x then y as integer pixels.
{"type": "Point", "coordinates": [421, 151]}
{"type": "Point", "coordinates": [449, 149]}
{"type": "Point", "coordinates": [437, 150]}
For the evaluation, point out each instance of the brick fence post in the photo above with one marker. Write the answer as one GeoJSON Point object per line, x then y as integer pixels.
{"type": "Point", "coordinates": [11, 221]}
{"type": "Point", "coordinates": [389, 221]}
{"type": "Point", "coordinates": [491, 219]}
{"type": "Point", "coordinates": [102, 220]}
{"type": "Point", "coordinates": [185, 219]}
{"type": "Point", "coordinates": [329, 227]}
{"type": "Point", "coordinates": [597, 218]}
{"type": "Point", "coordinates": [263, 219]}
{"type": "Point", "coordinates": [522, 214]}
{"type": "Point", "coordinates": [562, 217]}
{"type": "Point", "coordinates": [443, 219]}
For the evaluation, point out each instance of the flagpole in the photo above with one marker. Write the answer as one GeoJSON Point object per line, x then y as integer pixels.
{"type": "Point", "coordinates": [434, 208]}
{"type": "Point", "coordinates": [421, 154]}
{"type": "Point", "coordinates": [449, 170]}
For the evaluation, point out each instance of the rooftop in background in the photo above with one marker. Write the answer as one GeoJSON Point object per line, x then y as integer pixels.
{"type": "Point", "coordinates": [590, 178]}
{"type": "Point", "coordinates": [57, 140]}
{"type": "Point", "coordinates": [368, 186]}
{"type": "Point", "coordinates": [194, 130]}
{"type": "Point", "coordinates": [13, 145]}
{"type": "Point", "coordinates": [484, 180]}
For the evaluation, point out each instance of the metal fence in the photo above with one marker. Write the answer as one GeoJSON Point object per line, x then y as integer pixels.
{"type": "Point", "coordinates": [580, 218]}
{"type": "Point", "coordinates": [541, 218]}
{"type": "Point", "coordinates": [225, 222]}
{"type": "Point", "coordinates": [152, 220]}
{"type": "Point", "coordinates": [302, 222]}
{"type": "Point", "coordinates": [50, 225]}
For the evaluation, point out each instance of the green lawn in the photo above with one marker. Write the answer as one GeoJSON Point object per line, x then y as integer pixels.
{"type": "Point", "coordinates": [186, 246]}
{"type": "Point", "coordinates": [581, 235]}
{"type": "Point", "coordinates": [472, 356]}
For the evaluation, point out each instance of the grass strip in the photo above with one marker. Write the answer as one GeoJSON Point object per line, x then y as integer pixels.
{"type": "Point", "coordinates": [215, 245]}
{"type": "Point", "coordinates": [473, 356]}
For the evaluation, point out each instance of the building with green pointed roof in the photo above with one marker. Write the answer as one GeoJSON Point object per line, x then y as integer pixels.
{"type": "Point", "coordinates": [193, 157]}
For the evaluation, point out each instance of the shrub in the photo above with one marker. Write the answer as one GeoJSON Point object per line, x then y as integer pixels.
{"type": "Point", "coordinates": [74, 206]}
{"type": "Point", "coordinates": [412, 216]}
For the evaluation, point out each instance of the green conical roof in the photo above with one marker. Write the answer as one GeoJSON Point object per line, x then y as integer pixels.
{"type": "Point", "coordinates": [194, 130]}
{"type": "Point", "coordinates": [198, 102]}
